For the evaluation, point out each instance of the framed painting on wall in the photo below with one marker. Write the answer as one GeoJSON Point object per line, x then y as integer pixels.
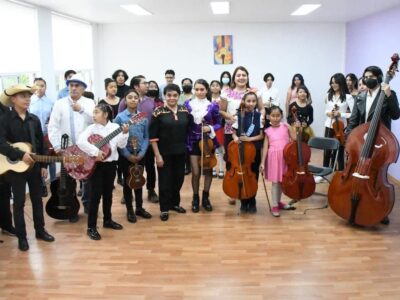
{"type": "Point", "coordinates": [223, 50]}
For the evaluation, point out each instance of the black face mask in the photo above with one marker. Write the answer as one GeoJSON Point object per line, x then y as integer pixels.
{"type": "Point", "coordinates": [187, 89]}
{"type": "Point", "coordinates": [371, 83]}
{"type": "Point", "coordinates": [152, 93]}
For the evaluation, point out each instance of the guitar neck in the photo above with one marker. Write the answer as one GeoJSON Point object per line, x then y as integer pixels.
{"type": "Point", "coordinates": [47, 159]}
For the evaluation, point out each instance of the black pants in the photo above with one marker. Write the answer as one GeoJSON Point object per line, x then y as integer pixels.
{"type": "Point", "coordinates": [170, 180]}
{"type": "Point", "coordinates": [125, 164]}
{"type": "Point", "coordinates": [102, 183]}
{"type": "Point", "coordinates": [228, 138]}
{"type": "Point", "coordinates": [18, 182]}
{"type": "Point", "coordinates": [150, 169]}
{"type": "Point", "coordinates": [329, 156]}
{"type": "Point", "coordinates": [5, 212]}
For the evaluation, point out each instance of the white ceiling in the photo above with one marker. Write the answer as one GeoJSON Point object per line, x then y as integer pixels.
{"type": "Point", "coordinates": [175, 11]}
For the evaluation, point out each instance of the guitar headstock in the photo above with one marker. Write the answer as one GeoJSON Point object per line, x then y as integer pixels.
{"type": "Point", "coordinates": [393, 68]}
{"type": "Point", "coordinates": [137, 118]}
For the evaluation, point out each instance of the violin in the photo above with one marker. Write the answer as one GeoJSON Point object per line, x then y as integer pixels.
{"type": "Point", "coordinates": [240, 182]}
{"type": "Point", "coordinates": [206, 145]}
{"type": "Point", "coordinates": [338, 128]}
{"type": "Point", "coordinates": [297, 183]}
{"type": "Point", "coordinates": [361, 192]}
{"type": "Point", "coordinates": [135, 178]}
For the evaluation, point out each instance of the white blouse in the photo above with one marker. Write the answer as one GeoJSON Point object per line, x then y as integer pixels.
{"type": "Point", "coordinates": [342, 108]}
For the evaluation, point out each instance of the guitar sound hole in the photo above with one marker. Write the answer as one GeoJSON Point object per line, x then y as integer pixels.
{"type": "Point", "coordinates": [12, 162]}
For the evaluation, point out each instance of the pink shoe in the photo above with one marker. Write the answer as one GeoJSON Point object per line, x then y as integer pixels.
{"type": "Point", "coordinates": [275, 211]}
{"type": "Point", "coordinates": [284, 206]}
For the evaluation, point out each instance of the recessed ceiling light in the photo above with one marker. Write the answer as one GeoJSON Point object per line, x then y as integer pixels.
{"type": "Point", "coordinates": [136, 9]}
{"type": "Point", "coordinates": [305, 9]}
{"type": "Point", "coordinates": [220, 8]}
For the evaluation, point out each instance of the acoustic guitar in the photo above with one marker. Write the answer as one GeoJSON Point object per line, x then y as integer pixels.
{"type": "Point", "coordinates": [84, 171]}
{"type": "Point", "coordinates": [135, 179]}
{"type": "Point", "coordinates": [19, 166]}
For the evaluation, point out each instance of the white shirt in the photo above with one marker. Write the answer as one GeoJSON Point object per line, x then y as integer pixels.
{"type": "Point", "coordinates": [370, 100]}
{"type": "Point", "coordinates": [119, 141]}
{"type": "Point", "coordinates": [342, 107]}
{"type": "Point", "coordinates": [199, 110]}
{"type": "Point", "coordinates": [266, 94]}
{"type": "Point", "coordinates": [59, 123]}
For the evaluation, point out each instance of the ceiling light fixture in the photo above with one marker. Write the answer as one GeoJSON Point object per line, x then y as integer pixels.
{"type": "Point", "coordinates": [136, 9]}
{"type": "Point", "coordinates": [305, 9]}
{"type": "Point", "coordinates": [220, 8]}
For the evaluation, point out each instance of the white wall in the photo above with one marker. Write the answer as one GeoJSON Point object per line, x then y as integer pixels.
{"type": "Point", "coordinates": [315, 50]}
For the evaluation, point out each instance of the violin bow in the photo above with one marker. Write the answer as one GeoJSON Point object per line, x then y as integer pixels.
{"type": "Point", "coordinates": [202, 148]}
{"type": "Point", "coordinates": [266, 192]}
{"type": "Point", "coordinates": [240, 159]}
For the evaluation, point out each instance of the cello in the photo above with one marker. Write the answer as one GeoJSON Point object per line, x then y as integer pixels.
{"type": "Point", "coordinates": [297, 182]}
{"type": "Point", "coordinates": [240, 182]}
{"type": "Point", "coordinates": [338, 128]}
{"type": "Point", "coordinates": [361, 192]}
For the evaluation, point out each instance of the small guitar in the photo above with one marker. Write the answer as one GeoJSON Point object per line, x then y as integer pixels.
{"type": "Point", "coordinates": [63, 203]}
{"type": "Point", "coordinates": [19, 166]}
{"type": "Point", "coordinates": [84, 171]}
{"type": "Point", "coordinates": [135, 179]}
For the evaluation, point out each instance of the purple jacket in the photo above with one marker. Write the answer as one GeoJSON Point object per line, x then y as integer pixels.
{"type": "Point", "coordinates": [212, 118]}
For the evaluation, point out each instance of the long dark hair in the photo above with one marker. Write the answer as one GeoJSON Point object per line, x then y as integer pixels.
{"type": "Point", "coordinates": [240, 68]}
{"type": "Point", "coordinates": [341, 81]}
{"type": "Point", "coordinates": [354, 80]}
{"type": "Point", "coordinates": [204, 83]}
{"type": "Point", "coordinates": [300, 77]}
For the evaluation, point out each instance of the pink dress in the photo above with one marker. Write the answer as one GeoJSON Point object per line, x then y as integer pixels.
{"type": "Point", "coordinates": [275, 165]}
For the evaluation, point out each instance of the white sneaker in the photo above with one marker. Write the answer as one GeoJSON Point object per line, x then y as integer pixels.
{"type": "Point", "coordinates": [319, 179]}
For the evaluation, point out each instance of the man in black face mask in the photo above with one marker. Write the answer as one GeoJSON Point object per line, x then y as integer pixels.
{"type": "Point", "coordinates": [365, 103]}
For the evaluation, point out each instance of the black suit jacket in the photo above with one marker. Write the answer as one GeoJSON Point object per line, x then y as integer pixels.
{"type": "Point", "coordinates": [390, 111]}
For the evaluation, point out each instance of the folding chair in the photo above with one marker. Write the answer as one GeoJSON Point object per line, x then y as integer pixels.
{"type": "Point", "coordinates": [323, 143]}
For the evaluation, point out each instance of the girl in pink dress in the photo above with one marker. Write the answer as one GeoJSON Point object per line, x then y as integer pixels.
{"type": "Point", "coordinates": [277, 136]}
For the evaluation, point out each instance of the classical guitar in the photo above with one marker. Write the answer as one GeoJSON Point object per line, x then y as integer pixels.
{"type": "Point", "coordinates": [135, 179]}
{"type": "Point", "coordinates": [84, 171]}
{"type": "Point", "coordinates": [63, 203]}
{"type": "Point", "coordinates": [19, 166]}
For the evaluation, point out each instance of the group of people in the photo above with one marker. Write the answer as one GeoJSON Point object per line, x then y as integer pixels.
{"type": "Point", "coordinates": [168, 137]}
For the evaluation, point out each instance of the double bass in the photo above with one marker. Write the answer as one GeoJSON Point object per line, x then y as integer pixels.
{"type": "Point", "coordinates": [297, 183]}
{"type": "Point", "coordinates": [361, 192]}
{"type": "Point", "coordinates": [240, 182]}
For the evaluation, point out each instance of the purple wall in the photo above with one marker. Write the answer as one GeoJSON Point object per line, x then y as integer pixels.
{"type": "Point", "coordinates": [372, 41]}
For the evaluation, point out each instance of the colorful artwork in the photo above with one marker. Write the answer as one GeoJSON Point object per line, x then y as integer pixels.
{"type": "Point", "coordinates": [223, 54]}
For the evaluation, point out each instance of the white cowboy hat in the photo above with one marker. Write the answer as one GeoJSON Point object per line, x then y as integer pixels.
{"type": "Point", "coordinates": [5, 97]}
{"type": "Point", "coordinates": [77, 78]}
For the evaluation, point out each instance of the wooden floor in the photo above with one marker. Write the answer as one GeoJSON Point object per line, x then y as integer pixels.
{"type": "Point", "coordinates": [218, 255]}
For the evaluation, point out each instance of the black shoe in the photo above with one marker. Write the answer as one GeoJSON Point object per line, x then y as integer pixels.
{"type": "Point", "coordinates": [23, 244]}
{"type": "Point", "coordinates": [187, 171]}
{"type": "Point", "coordinates": [252, 209]}
{"type": "Point", "coordinates": [205, 202]}
{"type": "Point", "coordinates": [93, 234]}
{"type": "Point", "coordinates": [385, 221]}
{"type": "Point", "coordinates": [79, 194]}
{"type": "Point", "coordinates": [152, 196]}
{"type": "Point", "coordinates": [131, 217]}
{"type": "Point", "coordinates": [120, 181]}
{"type": "Point", "coordinates": [244, 207]}
{"type": "Point", "coordinates": [44, 191]}
{"type": "Point", "coordinates": [195, 203]}
{"type": "Point", "coordinates": [9, 231]}
{"type": "Point", "coordinates": [143, 213]}
{"type": "Point", "coordinates": [44, 235]}
{"type": "Point", "coordinates": [74, 219]}
{"type": "Point", "coordinates": [179, 209]}
{"type": "Point", "coordinates": [164, 216]}
{"type": "Point", "coordinates": [113, 225]}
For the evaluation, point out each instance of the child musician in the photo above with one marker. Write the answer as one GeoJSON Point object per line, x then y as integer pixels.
{"type": "Point", "coordinates": [304, 111]}
{"type": "Point", "coordinates": [251, 132]}
{"type": "Point", "coordinates": [140, 133]}
{"type": "Point", "coordinates": [277, 136]}
{"type": "Point", "coordinates": [204, 119]}
{"type": "Point", "coordinates": [18, 125]}
{"type": "Point", "coordinates": [102, 180]}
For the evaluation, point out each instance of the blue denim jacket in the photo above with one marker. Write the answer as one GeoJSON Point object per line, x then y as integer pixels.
{"type": "Point", "coordinates": [139, 130]}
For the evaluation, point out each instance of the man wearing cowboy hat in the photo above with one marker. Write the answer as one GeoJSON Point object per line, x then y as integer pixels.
{"type": "Point", "coordinates": [71, 115]}
{"type": "Point", "coordinates": [21, 126]}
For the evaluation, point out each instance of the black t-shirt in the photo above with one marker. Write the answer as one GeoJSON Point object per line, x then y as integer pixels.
{"type": "Point", "coordinates": [304, 114]}
{"type": "Point", "coordinates": [121, 90]}
{"type": "Point", "coordinates": [170, 131]}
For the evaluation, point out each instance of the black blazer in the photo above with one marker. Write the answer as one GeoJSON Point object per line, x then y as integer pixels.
{"type": "Point", "coordinates": [390, 111]}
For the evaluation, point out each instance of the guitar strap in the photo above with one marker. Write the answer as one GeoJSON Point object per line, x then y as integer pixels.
{"type": "Point", "coordinates": [32, 133]}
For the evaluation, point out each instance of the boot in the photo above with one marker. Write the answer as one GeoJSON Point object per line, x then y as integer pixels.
{"type": "Point", "coordinates": [195, 203]}
{"type": "Point", "coordinates": [205, 202]}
